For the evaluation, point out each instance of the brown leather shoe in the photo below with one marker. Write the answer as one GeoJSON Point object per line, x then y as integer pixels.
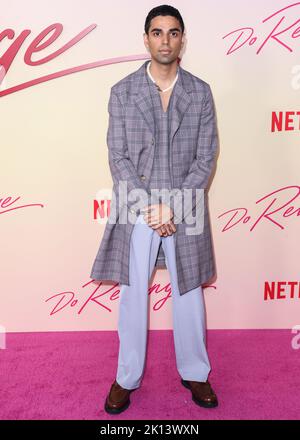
{"type": "Point", "coordinates": [117, 399]}
{"type": "Point", "coordinates": [202, 393]}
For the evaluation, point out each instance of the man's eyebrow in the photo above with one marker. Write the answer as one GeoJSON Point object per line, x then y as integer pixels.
{"type": "Point", "coordinates": [170, 30]}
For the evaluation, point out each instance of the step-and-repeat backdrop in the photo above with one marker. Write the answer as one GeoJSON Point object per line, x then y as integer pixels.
{"type": "Point", "coordinates": [58, 61]}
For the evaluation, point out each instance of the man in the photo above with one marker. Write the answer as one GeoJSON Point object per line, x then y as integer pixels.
{"type": "Point", "coordinates": [161, 136]}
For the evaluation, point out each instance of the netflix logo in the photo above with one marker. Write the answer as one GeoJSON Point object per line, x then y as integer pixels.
{"type": "Point", "coordinates": [281, 290]}
{"type": "Point", "coordinates": [101, 209]}
{"type": "Point", "coordinates": [285, 121]}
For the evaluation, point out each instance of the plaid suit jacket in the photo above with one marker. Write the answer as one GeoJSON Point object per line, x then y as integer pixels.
{"type": "Point", "coordinates": [131, 149]}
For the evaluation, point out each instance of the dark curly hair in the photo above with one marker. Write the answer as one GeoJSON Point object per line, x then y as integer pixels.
{"type": "Point", "coordinates": [163, 10]}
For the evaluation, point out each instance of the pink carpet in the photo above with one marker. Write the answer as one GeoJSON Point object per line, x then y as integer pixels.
{"type": "Point", "coordinates": [66, 375]}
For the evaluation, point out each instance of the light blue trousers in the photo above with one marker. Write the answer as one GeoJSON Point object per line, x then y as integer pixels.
{"type": "Point", "coordinates": [189, 326]}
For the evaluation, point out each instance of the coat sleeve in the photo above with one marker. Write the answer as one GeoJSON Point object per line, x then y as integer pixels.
{"type": "Point", "coordinates": [121, 166]}
{"type": "Point", "coordinates": [201, 167]}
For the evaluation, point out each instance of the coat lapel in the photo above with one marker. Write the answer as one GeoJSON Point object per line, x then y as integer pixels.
{"type": "Point", "coordinates": [180, 102]}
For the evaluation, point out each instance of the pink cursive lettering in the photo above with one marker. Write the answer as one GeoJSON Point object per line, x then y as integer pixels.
{"type": "Point", "coordinates": [284, 27]}
{"type": "Point", "coordinates": [6, 203]}
{"type": "Point", "coordinates": [69, 299]}
{"type": "Point", "coordinates": [275, 210]}
{"type": "Point", "coordinates": [49, 35]}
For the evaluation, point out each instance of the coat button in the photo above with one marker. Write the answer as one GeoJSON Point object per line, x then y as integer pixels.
{"type": "Point", "coordinates": [152, 141]}
{"type": "Point", "coordinates": [143, 177]}
{"type": "Point", "coordinates": [132, 211]}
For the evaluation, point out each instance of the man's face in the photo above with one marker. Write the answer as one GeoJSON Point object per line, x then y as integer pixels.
{"type": "Point", "coordinates": [164, 34]}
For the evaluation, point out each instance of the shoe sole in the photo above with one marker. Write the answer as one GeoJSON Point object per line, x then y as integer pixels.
{"type": "Point", "coordinates": [198, 402]}
{"type": "Point", "coordinates": [116, 410]}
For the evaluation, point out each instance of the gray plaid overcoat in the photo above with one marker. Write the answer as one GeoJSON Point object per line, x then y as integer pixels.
{"type": "Point", "coordinates": [131, 148]}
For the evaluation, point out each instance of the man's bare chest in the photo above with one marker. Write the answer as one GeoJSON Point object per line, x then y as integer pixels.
{"type": "Point", "coordinates": [165, 98]}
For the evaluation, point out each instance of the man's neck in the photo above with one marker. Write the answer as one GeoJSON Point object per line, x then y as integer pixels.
{"type": "Point", "coordinates": [163, 74]}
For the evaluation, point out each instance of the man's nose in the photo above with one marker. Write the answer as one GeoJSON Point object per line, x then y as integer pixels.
{"type": "Point", "coordinates": [166, 39]}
